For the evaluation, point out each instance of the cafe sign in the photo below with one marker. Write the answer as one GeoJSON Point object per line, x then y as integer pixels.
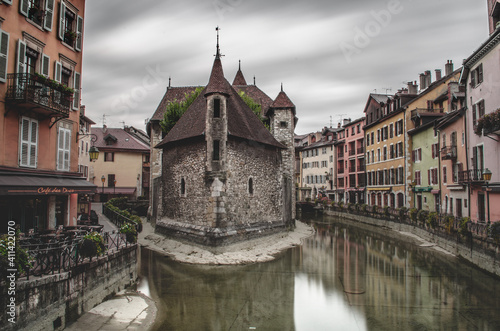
{"type": "Point", "coordinates": [50, 190]}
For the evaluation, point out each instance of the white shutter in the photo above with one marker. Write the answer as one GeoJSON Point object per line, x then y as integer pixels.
{"type": "Point", "coordinates": [49, 14]}
{"type": "Point", "coordinates": [28, 142]}
{"type": "Point", "coordinates": [57, 71]}
{"type": "Point", "coordinates": [79, 31]}
{"type": "Point", "coordinates": [8, 1]}
{"type": "Point", "coordinates": [62, 12]}
{"type": "Point", "coordinates": [24, 7]}
{"type": "Point", "coordinates": [21, 57]}
{"type": "Point", "coordinates": [33, 143]}
{"type": "Point", "coordinates": [63, 149]}
{"type": "Point", "coordinates": [4, 51]}
{"type": "Point", "coordinates": [45, 65]}
{"type": "Point", "coordinates": [76, 87]}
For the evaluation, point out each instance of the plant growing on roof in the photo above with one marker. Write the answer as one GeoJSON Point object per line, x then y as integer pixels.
{"type": "Point", "coordinates": [175, 109]}
{"type": "Point", "coordinates": [254, 106]}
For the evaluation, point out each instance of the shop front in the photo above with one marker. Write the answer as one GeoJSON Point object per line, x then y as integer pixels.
{"type": "Point", "coordinates": [40, 202]}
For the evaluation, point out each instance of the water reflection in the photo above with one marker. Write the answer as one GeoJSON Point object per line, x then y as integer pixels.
{"type": "Point", "coordinates": [343, 278]}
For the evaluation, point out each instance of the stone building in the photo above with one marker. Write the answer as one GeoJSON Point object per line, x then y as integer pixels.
{"type": "Point", "coordinates": [224, 176]}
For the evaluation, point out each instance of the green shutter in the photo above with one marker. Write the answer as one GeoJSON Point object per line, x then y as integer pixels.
{"type": "Point", "coordinates": [49, 14]}
{"type": "Point", "coordinates": [79, 31]}
{"type": "Point", "coordinates": [24, 7]}
{"type": "Point", "coordinates": [45, 65]}
{"type": "Point", "coordinates": [76, 87]}
{"type": "Point", "coordinates": [4, 51]}
{"type": "Point", "coordinates": [62, 12]}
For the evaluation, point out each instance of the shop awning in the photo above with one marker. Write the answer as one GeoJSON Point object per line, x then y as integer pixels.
{"type": "Point", "coordinates": [378, 188]}
{"type": "Point", "coordinates": [20, 184]}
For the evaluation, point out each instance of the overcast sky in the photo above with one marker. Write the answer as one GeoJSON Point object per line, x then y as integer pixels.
{"type": "Point", "coordinates": [329, 55]}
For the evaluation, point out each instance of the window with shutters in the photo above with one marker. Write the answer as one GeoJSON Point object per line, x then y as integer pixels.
{"type": "Point", "coordinates": [63, 149]}
{"type": "Point", "coordinates": [38, 12]}
{"type": "Point", "coordinates": [417, 177]}
{"type": "Point", "coordinates": [28, 145]}
{"type": "Point", "coordinates": [4, 52]}
{"type": "Point", "coordinates": [70, 26]}
{"type": "Point", "coordinates": [476, 76]}
{"type": "Point", "coordinates": [445, 176]}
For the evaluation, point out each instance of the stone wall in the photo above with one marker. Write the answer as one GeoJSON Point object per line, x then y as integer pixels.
{"type": "Point", "coordinates": [479, 253]}
{"type": "Point", "coordinates": [219, 206]}
{"type": "Point", "coordinates": [52, 301]}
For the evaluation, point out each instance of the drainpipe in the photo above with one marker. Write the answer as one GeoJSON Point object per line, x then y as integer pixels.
{"type": "Point", "coordinates": [467, 154]}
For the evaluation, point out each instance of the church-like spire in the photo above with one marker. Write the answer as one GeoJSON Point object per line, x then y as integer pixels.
{"type": "Point", "coordinates": [239, 79]}
{"type": "Point", "coordinates": [217, 83]}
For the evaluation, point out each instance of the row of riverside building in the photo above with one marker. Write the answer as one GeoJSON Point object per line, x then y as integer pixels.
{"type": "Point", "coordinates": [431, 146]}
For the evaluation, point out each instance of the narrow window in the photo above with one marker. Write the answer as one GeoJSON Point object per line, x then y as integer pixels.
{"type": "Point", "coordinates": [183, 187]}
{"type": "Point", "coordinates": [250, 186]}
{"type": "Point", "coordinates": [216, 108]}
{"type": "Point", "coordinates": [283, 124]}
{"type": "Point", "coordinates": [216, 155]}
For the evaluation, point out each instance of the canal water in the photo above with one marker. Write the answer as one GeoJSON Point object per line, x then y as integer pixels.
{"type": "Point", "coordinates": [346, 277]}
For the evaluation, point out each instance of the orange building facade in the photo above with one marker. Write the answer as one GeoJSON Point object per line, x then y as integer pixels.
{"type": "Point", "coordinates": [41, 45]}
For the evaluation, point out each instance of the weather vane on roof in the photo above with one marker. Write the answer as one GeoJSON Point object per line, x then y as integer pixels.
{"type": "Point", "coordinates": [218, 54]}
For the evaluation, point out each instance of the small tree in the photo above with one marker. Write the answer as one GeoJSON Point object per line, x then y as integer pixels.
{"type": "Point", "coordinates": [432, 219]}
{"type": "Point", "coordinates": [448, 223]}
{"type": "Point", "coordinates": [422, 216]}
{"type": "Point", "coordinates": [464, 227]}
{"type": "Point", "coordinates": [402, 213]}
{"type": "Point", "coordinates": [413, 214]}
{"type": "Point", "coordinates": [175, 109]}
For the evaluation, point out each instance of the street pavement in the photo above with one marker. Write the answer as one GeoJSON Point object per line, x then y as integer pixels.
{"type": "Point", "coordinates": [103, 220]}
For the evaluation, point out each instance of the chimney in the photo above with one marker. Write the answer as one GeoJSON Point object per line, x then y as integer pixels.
{"type": "Point", "coordinates": [338, 126]}
{"type": "Point", "coordinates": [428, 78]}
{"type": "Point", "coordinates": [104, 128]}
{"type": "Point", "coordinates": [412, 88]}
{"type": "Point", "coordinates": [422, 82]}
{"type": "Point", "coordinates": [438, 74]}
{"type": "Point", "coordinates": [448, 68]}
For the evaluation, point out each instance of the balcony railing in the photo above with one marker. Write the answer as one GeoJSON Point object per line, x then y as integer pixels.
{"type": "Point", "coordinates": [352, 152]}
{"type": "Point", "coordinates": [352, 169]}
{"type": "Point", "coordinates": [340, 155]}
{"type": "Point", "coordinates": [449, 153]}
{"type": "Point", "coordinates": [361, 150]}
{"type": "Point", "coordinates": [36, 93]}
{"type": "Point", "coordinates": [422, 111]}
{"type": "Point", "coordinates": [468, 176]}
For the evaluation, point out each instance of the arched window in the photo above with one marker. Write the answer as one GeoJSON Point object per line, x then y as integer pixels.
{"type": "Point", "coordinates": [250, 186]}
{"type": "Point", "coordinates": [183, 187]}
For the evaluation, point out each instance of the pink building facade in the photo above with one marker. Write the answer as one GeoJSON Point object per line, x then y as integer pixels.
{"type": "Point", "coordinates": [354, 162]}
{"type": "Point", "coordinates": [481, 75]}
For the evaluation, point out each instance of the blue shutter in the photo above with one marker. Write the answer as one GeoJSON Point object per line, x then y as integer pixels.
{"type": "Point", "coordinates": [62, 12]}
{"type": "Point", "coordinates": [4, 51]}
{"type": "Point", "coordinates": [49, 14]}
{"type": "Point", "coordinates": [79, 31]}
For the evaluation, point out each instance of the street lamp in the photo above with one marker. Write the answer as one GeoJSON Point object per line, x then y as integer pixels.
{"type": "Point", "coordinates": [114, 187]}
{"type": "Point", "coordinates": [93, 153]}
{"type": "Point", "coordinates": [487, 177]}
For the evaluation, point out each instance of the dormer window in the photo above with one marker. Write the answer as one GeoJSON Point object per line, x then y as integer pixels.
{"type": "Point", "coordinates": [216, 108]}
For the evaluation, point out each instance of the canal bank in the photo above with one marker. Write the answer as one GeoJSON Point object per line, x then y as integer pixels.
{"type": "Point", "coordinates": [252, 251]}
{"type": "Point", "coordinates": [480, 253]}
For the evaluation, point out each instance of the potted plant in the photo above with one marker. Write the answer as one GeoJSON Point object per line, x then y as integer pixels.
{"type": "Point", "coordinates": [130, 232]}
{"type": "Point", "coordinates": [70, 35]}
{"type": "Point", "coordinates": [91, 245]}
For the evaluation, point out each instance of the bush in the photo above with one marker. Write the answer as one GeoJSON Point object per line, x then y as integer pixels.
{"type": "Point", "coordinates": [386, 211]}
{"type": "Point", "coordinates": [448, 223]}
{"type": "Point", "coordinates": [413, 214]}
{"type": "Point", "coordinates": [422, 216]}
{"type": "Point", "coordinates": [308, 199]}
{"type": "Point", "coordinates": [402, 213]}
{"type": "Point", "coordinates": [464, 228]}
{"type": "Point", "coordinates": [91, 245]}
{"type": "Point", "coordinates": [374, 209]}
{"type": "Point", "coordinates": [21, 258]}
{"type": "Point", "coordinates": [364, 207]}
{"type": "Point", "coordinates": [130, 232]}
{"type": "Point", "coordinates": [357, 207]}
{"type": "Point", "coordinates": [349, 206]}
{"type": "Point", "coordinates": [495, 232]}
{"type": "Point", "coordinates": [341, 205]}
{"type": "Point", "coordinates": [432, 219]}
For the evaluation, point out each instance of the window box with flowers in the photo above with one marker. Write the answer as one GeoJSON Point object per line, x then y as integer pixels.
{"type": "Point", "coordinates": [488, 124]}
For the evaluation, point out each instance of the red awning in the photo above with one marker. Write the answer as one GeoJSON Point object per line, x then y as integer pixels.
{"type": "Point", "coordinates": [435, 191]}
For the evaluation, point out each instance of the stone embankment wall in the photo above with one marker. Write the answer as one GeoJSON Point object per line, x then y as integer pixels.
{"type": "Point", "coordinates": [50, 302]}
{"type": "Point", "coordinates": [482, 253]}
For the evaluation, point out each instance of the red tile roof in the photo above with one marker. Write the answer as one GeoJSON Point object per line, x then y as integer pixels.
{"type": "Point", "coordinates": [124, 140]}
{"type": "Point", "coordinates": [242, 122]}
{"type": "Point", "coordinates": [239, 79]}
{"type": "Point", "coordinates": [173, 93]}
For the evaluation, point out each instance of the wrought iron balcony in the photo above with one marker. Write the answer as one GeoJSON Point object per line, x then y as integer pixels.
{"type": "Point", "coordinates": [425, 111]}
{"type": "Point", "coordinates": [352, 152]}
{"type": "Point", "coordinates": [469, 176]}
{"type": "Point", "coordinates": [361, 150]}
{"type": "Point", "coordinates": [37, 93]}
{"type": "Point", "coordinates": [449, 153]}
{"type": "Point", "coordinates": [340, 155]}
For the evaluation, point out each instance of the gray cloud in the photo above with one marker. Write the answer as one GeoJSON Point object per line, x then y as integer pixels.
{"type": "Point", "coordinates": [297, 43]}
